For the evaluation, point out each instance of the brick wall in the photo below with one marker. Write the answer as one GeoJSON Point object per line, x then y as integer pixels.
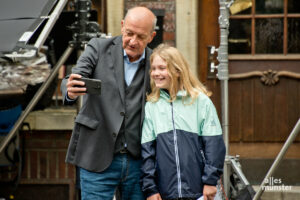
{"type": "Point", "coordinates": [169, 19]}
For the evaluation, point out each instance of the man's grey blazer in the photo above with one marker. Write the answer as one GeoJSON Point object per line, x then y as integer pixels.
{"type": "Point", "coordinates": [100, 118]}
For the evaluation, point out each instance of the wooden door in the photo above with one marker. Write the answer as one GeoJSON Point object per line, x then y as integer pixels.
{"type": "Point", "coordinates": [264, 67]}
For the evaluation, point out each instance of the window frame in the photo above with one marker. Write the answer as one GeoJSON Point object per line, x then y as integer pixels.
{"type": "Point", "coordinates": [285, 16]}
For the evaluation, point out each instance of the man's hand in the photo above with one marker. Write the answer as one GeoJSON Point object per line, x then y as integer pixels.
{"type": "Point", "coordinates": [155, 197]}
{"type": "Point", "coordinates": [209, 192]}
{"type": "Point", "coordinates": [72, 86]}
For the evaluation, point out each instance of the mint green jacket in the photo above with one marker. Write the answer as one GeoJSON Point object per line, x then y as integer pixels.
{"type": "Point", "coordinates": [182, 146]}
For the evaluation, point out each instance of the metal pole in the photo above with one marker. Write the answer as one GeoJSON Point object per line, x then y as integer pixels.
{"type": "Point", "coordinates": [50, 23]}
{"type": "Point", "coordinates": [223, 77]}
{"type": "Point", "coordinates": [278, 159]}
{"type": "Point", "coordinates": [238, 171]}
{"type": "Point", "coordinates": [227, 164]}
{"type": "Point", "coordinates": [36, 98]}
{"type": "Point", "coordinates": [224, 96]}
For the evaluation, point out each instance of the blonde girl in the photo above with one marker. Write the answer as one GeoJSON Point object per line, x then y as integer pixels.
{"type": "Point", "coordinates": [182, 145]}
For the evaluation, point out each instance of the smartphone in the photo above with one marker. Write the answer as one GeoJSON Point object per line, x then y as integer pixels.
{"type": "Point", "coordinates": [93, 86]}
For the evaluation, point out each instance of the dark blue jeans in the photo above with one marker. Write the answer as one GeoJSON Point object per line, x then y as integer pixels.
{"type": "Point", "coordinates": [123, 173]}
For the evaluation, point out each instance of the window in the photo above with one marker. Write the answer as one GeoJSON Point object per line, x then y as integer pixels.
{"type": "Point", "coordinates": [265, 27]}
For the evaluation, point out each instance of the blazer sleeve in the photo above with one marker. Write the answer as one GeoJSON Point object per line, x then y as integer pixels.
{"type": "Point", "coordinates": [85, 67]}
{"type": "Point", "coordinates": [148, 178]}
{"type": "Point", "coordinates": [213, 146]}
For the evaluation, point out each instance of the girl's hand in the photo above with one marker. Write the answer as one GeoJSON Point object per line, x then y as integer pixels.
{"type": "Point", "coordinates": [155, 197]}
{"type": "Point", "coordinates": [209, 192]}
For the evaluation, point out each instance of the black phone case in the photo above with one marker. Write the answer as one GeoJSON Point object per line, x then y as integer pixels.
{"type": "Point", "coordinates": [93, 86]}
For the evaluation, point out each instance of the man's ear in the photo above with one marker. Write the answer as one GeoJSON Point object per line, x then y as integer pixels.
{"type": "Point", "coordinates": [122, 26]}
{"type": "Point", "coordinates": [153, 34]}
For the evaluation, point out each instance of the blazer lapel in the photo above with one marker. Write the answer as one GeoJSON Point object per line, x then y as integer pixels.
{"type": "Point", "coordinates": [147, 75]}
{"type": "Point", "coordinates": [118, 65]}
{"type": "Point", "coordinates": [146, 84]}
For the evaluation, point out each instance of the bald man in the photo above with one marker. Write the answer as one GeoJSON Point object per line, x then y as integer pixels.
{"type": "Point", "coordinates": [105, 143]}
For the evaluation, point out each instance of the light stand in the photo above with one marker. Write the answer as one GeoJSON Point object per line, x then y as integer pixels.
{"type": "Point", "coordinates": [232, 165]}
{"type": "Point", "coordinates": [223, 77]}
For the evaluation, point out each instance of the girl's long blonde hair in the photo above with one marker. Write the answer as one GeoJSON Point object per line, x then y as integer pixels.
{"type": "Point", "coordinates": [180, 74]}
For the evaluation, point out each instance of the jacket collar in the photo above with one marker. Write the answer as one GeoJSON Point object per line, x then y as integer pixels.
{"type": "Point", "coordinates": [165, 94]}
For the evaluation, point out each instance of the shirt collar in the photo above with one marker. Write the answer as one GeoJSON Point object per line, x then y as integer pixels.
{"type": "Point", "coordinates": [137, 61]}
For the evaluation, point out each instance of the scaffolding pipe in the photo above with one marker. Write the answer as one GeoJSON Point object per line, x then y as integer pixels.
{"type": "Point", "coordinates": [36, 97]}
{"type": "Point", "coordinates": [278, 159]}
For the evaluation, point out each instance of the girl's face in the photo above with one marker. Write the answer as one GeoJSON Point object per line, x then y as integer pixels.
{"type": "Point", "coordinates": [159, 73]}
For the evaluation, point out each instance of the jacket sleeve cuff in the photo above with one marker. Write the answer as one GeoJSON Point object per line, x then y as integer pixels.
{"type": "Point", "coordinates": [211, 175]}
{"type": "Point", "coordinates": [150, 191]}
{"type": "Point", "coordinates": [69, 101]}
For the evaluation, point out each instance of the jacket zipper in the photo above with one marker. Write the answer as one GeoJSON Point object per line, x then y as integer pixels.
{"type": "Point", "coordinates": [176, 155]}
{"type": "Point", "coordinates": [203, 157]}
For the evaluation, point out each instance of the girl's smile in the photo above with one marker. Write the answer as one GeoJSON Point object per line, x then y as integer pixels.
{"type": "Point", "coordinates": [159, 73]}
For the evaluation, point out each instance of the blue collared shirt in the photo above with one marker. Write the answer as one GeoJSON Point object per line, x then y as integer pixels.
{"type": "Point", "coordinates": [130, 68]}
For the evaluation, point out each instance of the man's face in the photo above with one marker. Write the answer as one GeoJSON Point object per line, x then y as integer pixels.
{"type": "Point", "coordinates": [136, 36]}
